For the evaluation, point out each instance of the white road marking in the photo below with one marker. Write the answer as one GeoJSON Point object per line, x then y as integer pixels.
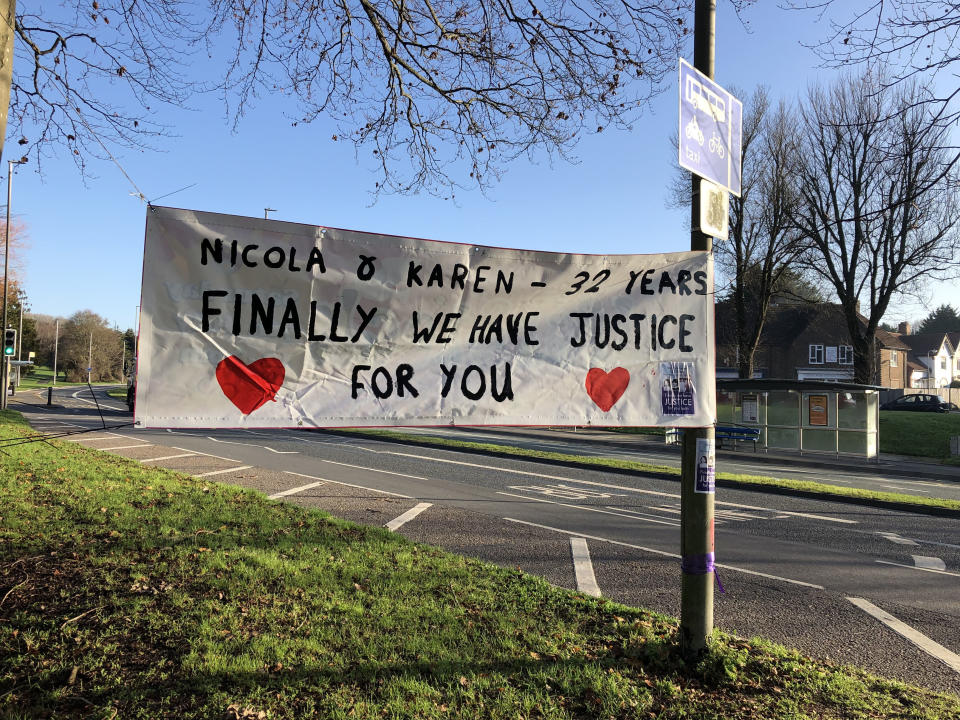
{"type": "Point", "coordinates": [665, 554]}
{"type": "Point", "coordinates": [587, 508]}
{"type": "Point", "coordinates": [409, 515]}
{"type": "Point", "coordinates": [929, 646]}
{"type": "Point", "coordinates": [169, 457]}
{"type": "Point", "coordinates": [231, 442]}
{"type": "Point", "coordinates": [659, 519]}
{"type": "Point", "coordinates": [370, 469]}
{"type": "Point", "coordinates": [922, 569]}
{"type": "Point", "coordinates": [294, 491]}
{"type": "Point", "coordinates": [928, 562]}
{"type": "Point", "coordinates": [126, 447]}
{"type": "Point", "coordinates": [223, 472]}
{"type": "Point", "coordinates": [197, 452]}
{"type": "Point", "coordinates": [893, 537]}
{"type": "Point", "coordinates": [582, 567]}
{"type": "Point", "coordinates": [91, 402]}
{"type": "Point", "coordinates": [337, 482]}
{"type": "Point", "coordinates": [612, 486]}
{"type": "Point", "coordinates": [99, 437]}
{"type": "Point", "coordinates": [900, 487]}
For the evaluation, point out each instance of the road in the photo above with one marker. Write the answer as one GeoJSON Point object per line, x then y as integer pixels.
{"type": "Point", "coordinates": [866, 586]}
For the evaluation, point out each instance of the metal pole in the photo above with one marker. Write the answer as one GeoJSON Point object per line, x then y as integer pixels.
{"type": "Point", "coordinates": [56, 344]}
{"type": "Point", "coordinates": [696, 509]}
{"type": "Point", "coordinates": [19, 338]}
{"type": "Point", "coordinates": [90, 358]}
{"type": "Point", "coordinates": [6, 264]}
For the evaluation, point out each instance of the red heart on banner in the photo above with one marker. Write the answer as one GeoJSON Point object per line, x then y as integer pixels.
{"type": "Point", "coordinates": [605, 388]}
{"type": "Point", "coordinates": [250, 386]}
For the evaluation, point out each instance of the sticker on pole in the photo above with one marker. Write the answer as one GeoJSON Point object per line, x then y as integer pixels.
{"type": "Point", "coordinates": [251, 323]}
{"type": "Point", "coordinates": [706, 467]}
{"type": "Point", "coordinates": [710, 129]}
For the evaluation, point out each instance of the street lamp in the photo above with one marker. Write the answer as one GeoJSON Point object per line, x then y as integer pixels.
{"type": "Point", "coordinates": [266, 211]}
{"type": "Point", "coordinates": [6, 267]}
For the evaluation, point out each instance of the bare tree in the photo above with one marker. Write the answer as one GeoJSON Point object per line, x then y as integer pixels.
{"type": "Point", "coordinates": [762, 242]}
{"type": "Point", "coordinates": [878, 204]}
{"type": "Point", "coordinates": [439, 93]}
{"type": "Point", "coordinates": [78, 334]}
{"type": "Point", "coordinates": [912, 37]}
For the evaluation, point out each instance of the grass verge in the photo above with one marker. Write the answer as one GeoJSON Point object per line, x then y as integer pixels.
{"type": "Point", "coordinates": [133, 592]}
{"type": "Point", "coordinates": [918, 433]}
{"type": "Point", "coordinates": [798, 486]}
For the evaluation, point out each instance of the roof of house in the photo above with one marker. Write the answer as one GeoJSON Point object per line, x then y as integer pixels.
{"type": "Point", "coordinates": [785, 322]}
{"type": "Point", "coordinates": [891, 340]}
{"type": "Point", "coordinates": [954, 339]}
{"type": "Point", "coordinates": [923, 344]}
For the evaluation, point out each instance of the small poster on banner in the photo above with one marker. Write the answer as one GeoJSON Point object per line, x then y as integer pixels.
{"type": "Point", "coordinates": [817, 405]}
{"type": "Point", "coordinates": [706, 467]}
{"type": "Point", "coordinates": [677, 388]}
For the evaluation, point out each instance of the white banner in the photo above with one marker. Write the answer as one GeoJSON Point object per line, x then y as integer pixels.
{"type": "Point", "coordinates": [259, 323]}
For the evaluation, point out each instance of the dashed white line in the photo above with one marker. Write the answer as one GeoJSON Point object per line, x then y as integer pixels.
{"type": "Point", "coordinates": [359, 487]}
{"type": "Point", "coordinates": [921, 569]}
{"type": "Point", "coordinates": [197, 452]}
{"type": "Point", "coordinates": [665, 554]}
{"type": "Point", "coordinates": [893, 537]}
{"type": "Point", "coordinates": [278, 452]}
{"type": "Point", "coordinates": [223, 472]}
{"type": "Point", "coordinates": [582, 567]}
{"type": "Point", "coordinates": [296, 490]}
{"type": "Point", "coordinates": [126, 447]}
{"type": "Point", "coordinates": [931, 647]}
{"type": "Point", "coordinates": [409, 515]}
{"type": "Point", "coordinates": [928, 562]}
{"type": "Point", "coordinates": [169, 457]}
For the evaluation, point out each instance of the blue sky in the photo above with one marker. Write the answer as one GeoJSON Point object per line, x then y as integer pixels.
{"type": "Point", "coordinates": [86, 235]}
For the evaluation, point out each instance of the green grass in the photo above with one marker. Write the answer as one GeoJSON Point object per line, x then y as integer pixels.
{"type": "Point", "coordinates": [41, 376]}
{"type": "Point", "coordinates": [918, 433]}
{"type": "Point", "coordinates": [804, 486]}
{"type": "Point", "coordinates": [133, 592]}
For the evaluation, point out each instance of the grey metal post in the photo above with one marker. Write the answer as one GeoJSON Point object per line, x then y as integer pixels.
{"type": "Point", "coordinates": [696, 509]}
{"type": "Point", "coordinates": [6, 264]}
{"type": "Point", "coordinates": [56, 344]}
{"type": "Point", "coordinates": [90, 358]}
{"type": "Point", "coordinates": [20, 339]}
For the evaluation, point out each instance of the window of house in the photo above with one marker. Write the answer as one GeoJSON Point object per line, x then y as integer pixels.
{"type": "Point", "coordinates": [846, 354]}
{"type": "Point", "coordinates": [816, 354]}
{"type": "Point", "coordinates": [943, 363]}
{"type": "Point", "coordinates": [894, 360]}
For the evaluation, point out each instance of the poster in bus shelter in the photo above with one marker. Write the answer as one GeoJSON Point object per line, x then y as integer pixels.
{"type": "Point", "coordinates": [259, 323]}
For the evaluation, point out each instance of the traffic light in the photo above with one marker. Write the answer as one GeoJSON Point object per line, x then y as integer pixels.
{"type": "Point", "coordinates": [9, 342]}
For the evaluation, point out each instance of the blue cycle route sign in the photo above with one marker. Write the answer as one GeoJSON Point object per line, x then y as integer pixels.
{"type": "Point", "coordinates": [710, 129]}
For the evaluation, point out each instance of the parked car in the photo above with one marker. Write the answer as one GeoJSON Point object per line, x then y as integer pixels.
{"type": "Point", "coordinates": [919, 403]}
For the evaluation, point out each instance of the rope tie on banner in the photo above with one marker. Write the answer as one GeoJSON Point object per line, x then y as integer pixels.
{"type": "Point", "coordinates": [700, 565]}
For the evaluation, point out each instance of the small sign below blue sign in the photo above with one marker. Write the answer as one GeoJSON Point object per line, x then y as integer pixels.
{"type": "Point", "coordinates": [711, 121]}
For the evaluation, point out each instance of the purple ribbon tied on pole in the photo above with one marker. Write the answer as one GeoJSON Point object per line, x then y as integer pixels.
{"type": "Point", "coordinates": [700, 565]}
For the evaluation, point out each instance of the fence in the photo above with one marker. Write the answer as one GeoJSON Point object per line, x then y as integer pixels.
{"type": "Point", "coordinates": [948, 394]}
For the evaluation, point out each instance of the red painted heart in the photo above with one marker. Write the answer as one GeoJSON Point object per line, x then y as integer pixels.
{"type": "Point", "coordinates": [605, 388]}
{"type": "Point", "coordinates": [250, 386]}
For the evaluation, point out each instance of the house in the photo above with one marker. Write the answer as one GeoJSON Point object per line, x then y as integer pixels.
{"type": "Point", "coordinates": [808, 341]}
{"type": "Point", "coordinates": [936, 357]}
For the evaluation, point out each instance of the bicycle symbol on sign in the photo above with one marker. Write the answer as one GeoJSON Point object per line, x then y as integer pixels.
{"type": "Point", "coordinates": [716, 146]}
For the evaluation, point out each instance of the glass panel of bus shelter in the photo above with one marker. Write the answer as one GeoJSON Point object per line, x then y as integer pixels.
{"type": "Point", "coordinates": [821, 440]}
{"type": "Point", "coordinates": [852, 410]}
{"type": "Point", "coordinates": [788, 438]}
{"type": "Point", "coordinates": [782, 409]}
{"type": "Point", "coordinates": [726, 410]}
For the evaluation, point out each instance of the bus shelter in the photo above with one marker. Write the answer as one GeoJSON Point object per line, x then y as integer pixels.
{"type": "Point", "coordinates": [804, 416]}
